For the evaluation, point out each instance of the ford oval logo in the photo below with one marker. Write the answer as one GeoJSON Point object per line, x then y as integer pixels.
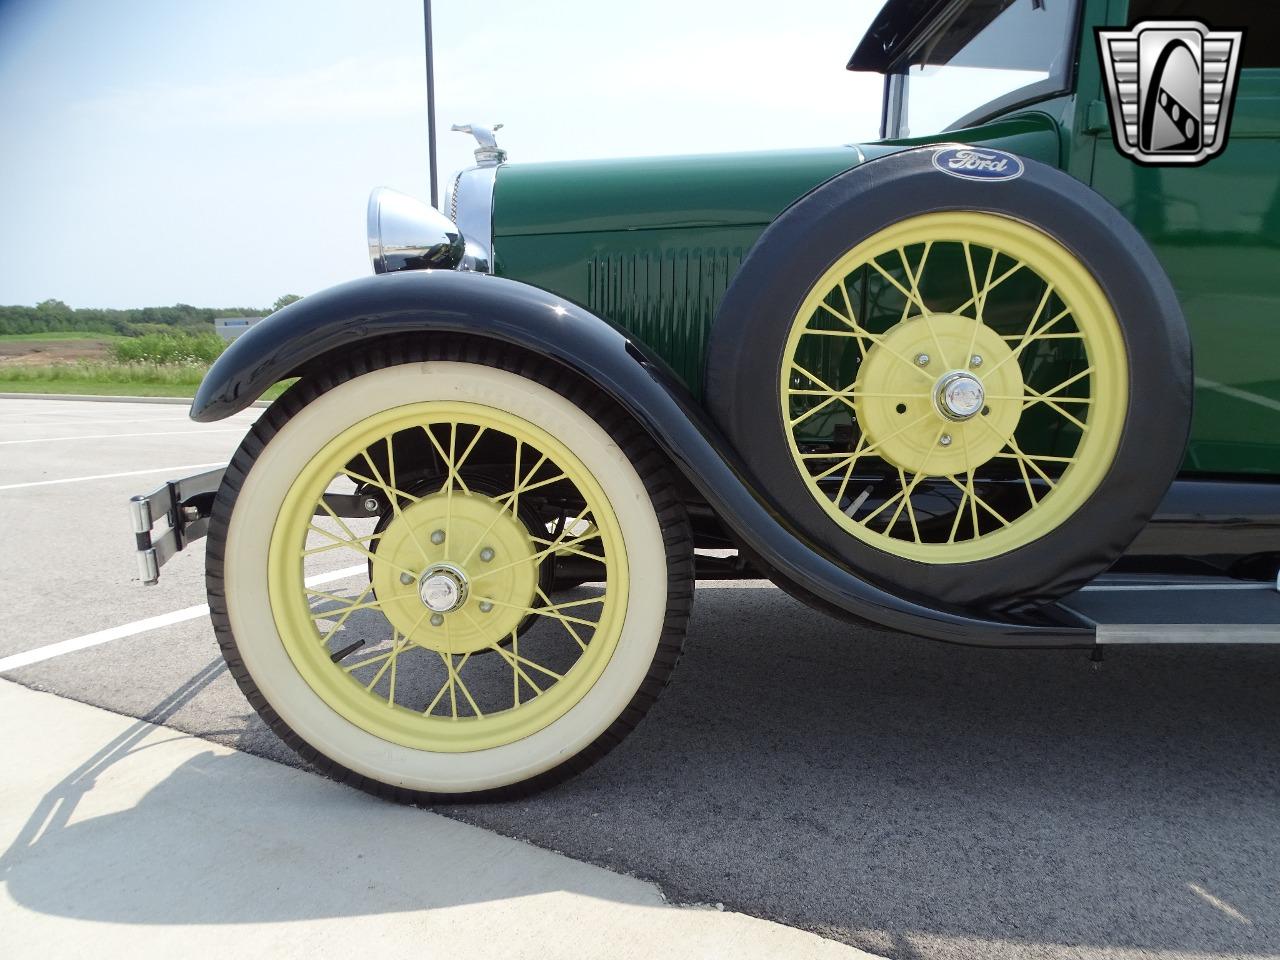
{"type": "Point", "coordinates": [969, 163]}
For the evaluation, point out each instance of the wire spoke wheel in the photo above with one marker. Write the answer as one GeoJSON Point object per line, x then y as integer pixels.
{"type": "Point", "coordinates": [954, 387]}
{"type": "Point", "coordinates": [456, 572]}
{"type": "Point", "coordinates": [382, 570]}
{"type": "Point", "coordinates": [971, 391]}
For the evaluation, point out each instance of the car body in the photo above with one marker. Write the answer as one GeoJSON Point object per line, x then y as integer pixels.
{"type": "Point", "coordinates": [652, 244]}
{"type": "Point", "coordinates": [672, 298]}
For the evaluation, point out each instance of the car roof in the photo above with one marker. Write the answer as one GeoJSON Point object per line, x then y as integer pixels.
{"type": "Point", "coordinates": [895, 34]}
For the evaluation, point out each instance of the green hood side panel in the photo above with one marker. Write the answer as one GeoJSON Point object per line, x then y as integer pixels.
{"type": "Point", "coordinates": [716, 190]}
{"type": "Point", "coordinates": [652, 244]}
{"type": "Point", "coordinates": [661, 285]}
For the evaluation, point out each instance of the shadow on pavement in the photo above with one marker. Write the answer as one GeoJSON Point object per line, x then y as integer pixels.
{"type": "Point", "coordinates": [192, 849]}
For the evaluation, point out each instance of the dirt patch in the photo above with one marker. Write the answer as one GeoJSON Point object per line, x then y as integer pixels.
{"type": "Point", "coordinates": [41, 352]}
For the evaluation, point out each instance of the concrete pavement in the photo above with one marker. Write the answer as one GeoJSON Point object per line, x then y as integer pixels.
{"type": "Point", "coordinates": [128, 839]}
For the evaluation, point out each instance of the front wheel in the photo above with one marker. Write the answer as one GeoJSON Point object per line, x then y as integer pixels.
{"type": "Point", "coordinates": [420, 654]}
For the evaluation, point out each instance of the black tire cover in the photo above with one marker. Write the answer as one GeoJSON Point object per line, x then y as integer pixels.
{"type": "Point", "coordinates": [749, 334]}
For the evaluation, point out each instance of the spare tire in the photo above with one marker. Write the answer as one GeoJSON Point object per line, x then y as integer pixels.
{"type": "Point", "coordinates": [962, 372]}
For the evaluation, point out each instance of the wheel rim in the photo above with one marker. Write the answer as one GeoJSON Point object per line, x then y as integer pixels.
{"type": "Point", "coordinates": [455, 572]}
{"type": "Point", "coordinates": [954, 387]}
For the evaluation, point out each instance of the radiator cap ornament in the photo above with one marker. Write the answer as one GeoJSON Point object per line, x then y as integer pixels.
{"type": "Point", "coordinates": [488, 153]}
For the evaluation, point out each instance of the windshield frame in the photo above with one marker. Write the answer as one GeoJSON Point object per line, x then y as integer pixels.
{"type": "Point", "coordinates": [896, 95]}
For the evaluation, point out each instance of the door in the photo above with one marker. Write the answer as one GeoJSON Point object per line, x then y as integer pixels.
{"type": "Point", "coordinates": [1216, 229]}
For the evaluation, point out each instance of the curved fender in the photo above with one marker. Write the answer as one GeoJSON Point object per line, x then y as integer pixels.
{"type": "Point", "coordinates": [349, 315]}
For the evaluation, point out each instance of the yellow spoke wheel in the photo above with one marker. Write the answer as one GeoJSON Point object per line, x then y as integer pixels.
{"type": "Point", "coordinates": [932, 341]}
{"type": "Point", "coordinates": [382, 567]}
{"type": "Point", "coordinates": [482, 563]}
{"type": "Point", "coordinates": [969, 390]}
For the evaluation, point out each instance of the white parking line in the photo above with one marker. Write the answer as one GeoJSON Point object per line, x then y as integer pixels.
{"type": "Point", "coordinates": [121, 436]}
{"type": "Point", "coordinates": [111, 476]}
{"type": "Point", "coordinates": [48, 651]}
{"type": "Point", "coordinates": [25, 421]}
{"type": "Point", "coordinates": [51, 650]}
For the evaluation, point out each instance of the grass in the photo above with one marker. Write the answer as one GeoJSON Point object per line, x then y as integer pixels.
{"type": "Point", "coordinates": [96, 388]}
{"type": "Point", "coordinates": [169, 374]}
{"type": "Point", "coordinates": [160, 364]}
{"type": "Point", "coordinates": [138, 379]}
{"type": "Point", "coordinates": [169, 349]}
{"type": "Point", "coordinates": [57, 335]}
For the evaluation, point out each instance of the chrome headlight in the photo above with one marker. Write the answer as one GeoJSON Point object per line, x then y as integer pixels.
{"type": "Point", "coordinates": [407, 234]}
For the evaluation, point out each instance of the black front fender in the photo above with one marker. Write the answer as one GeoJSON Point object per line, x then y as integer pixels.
{"type": "Point", "coordinates": [349, 315]}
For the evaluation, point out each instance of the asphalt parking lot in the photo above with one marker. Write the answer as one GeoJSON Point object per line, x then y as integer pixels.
{"type": "Point", "coordinates": [913, 799]}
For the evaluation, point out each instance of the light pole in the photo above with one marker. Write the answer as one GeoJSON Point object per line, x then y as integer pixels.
{"type": "Point", "coordinates": [431, 104]}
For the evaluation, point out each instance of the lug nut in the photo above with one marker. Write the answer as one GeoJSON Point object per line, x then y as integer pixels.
{"type": "Point", "coordinates": [945, 439]}
{"type": "Point", "coordinates": [485, 606]}
{"type": "Point", "coordinates": [406, 578]}
{"type": "Point", "coordinates": [437, 537]}
{"type": "Point", "coordinates": [437, 619]}
{"type": "Point", "coordinates": [923, 359]}
{"type": "Point", "coordinates": [975, 361]}
{"type": "Point", "coordinates": [486, 554]}
{"type": "Point", "coordinates": [370, 504]}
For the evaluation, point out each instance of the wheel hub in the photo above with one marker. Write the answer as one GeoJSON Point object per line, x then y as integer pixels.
{"type": "Point", "coordinates": [959, 396]}
{"type": "Point", "coordinates": [443, 588]}
{"type": "Point", "coordinates": [938, 395]}
{"type": "Point", "coordinates": [455, 572]}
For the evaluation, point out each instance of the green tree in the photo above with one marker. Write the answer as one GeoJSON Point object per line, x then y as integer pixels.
{"type": "Point", "coordinates": [54, 315]}
{"type": "Point", "coordinates": [282, 302]}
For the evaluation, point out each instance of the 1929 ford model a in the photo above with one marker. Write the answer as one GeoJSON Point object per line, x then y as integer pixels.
{"type": "Point", "coordinates": [942, 385]}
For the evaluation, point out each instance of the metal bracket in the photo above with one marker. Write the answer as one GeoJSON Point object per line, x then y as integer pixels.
{"type": "Point", "coordinates": [184, 505]}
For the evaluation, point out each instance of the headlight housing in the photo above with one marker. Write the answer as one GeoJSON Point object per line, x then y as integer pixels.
{"type": "Point", "coordinates": [407, 234]}
{"type": "Point", "coordinates": [471, 206]}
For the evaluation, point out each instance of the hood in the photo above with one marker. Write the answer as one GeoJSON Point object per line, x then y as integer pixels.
{"type": "Point", "coordinates": [711, 190]}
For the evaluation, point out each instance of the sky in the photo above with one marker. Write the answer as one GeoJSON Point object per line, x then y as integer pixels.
{"type": "Point", "coordinates": [221, 153]}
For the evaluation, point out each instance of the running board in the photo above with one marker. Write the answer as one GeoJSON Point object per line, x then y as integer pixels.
{"type": "Point", "coordinates": [1131, 609]}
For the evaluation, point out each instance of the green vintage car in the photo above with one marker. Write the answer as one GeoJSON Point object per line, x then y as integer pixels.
{"type": "Point", "coordinates": [943, 383]}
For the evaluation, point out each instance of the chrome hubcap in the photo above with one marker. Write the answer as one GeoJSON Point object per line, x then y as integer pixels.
{"type": "Point", "coordinates": [443, 588]}
{"type": "Point", "coordinates": [959, 396]}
